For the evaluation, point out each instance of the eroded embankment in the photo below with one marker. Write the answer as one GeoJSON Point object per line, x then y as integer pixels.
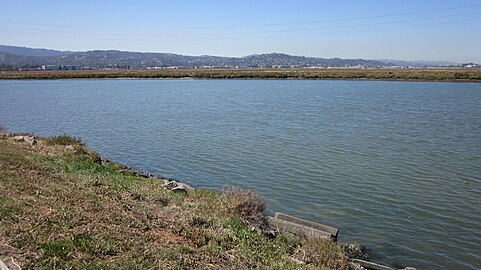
{"type": "Point", "coordinates": [62, 207]}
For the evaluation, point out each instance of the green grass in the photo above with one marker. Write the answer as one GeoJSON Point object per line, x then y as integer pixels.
{"type": "Point", "coordinates": [56, 250]}
{"type": "Point", "coordinates": [259, 248]}
{"type": "Point", "coordinates": [62, 209]}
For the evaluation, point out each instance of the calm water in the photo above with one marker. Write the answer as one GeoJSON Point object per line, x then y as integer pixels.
{"type": "Point", "coordinates": [395, 165]}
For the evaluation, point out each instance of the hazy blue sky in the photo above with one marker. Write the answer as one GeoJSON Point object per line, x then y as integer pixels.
{"type": "Point", "coordinates": [375, 29]}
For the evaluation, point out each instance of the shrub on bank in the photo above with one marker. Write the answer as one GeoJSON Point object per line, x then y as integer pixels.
{"type": "Point", "coordinates": [63, 139]}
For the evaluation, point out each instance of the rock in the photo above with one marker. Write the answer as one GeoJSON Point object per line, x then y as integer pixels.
{"type": "Point", "coordinates": [187, 187]}
{"type": "Point", "coordinates": [170, 185]}
{"type": "Point", "coordinates": [31, 140]}
{"type": "Point", "coordinates": [141, 174]}
{"type": "Point", "coordinates": [70, 148]}
{"type": "Point", "coordinates": [19, 138]}
{"type": "Point", "coordinates": [104, 161]}
{"type": "Point", "coordinates": [177, 187]}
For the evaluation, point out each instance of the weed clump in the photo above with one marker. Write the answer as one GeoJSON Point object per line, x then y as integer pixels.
{"type": "Point", "coordinates": [322, 253]}
{"type": "Point", "coordinates": [357, 251]}
{"type": "Point", "coordinates": [247, 205]}
{"type": "Point", "coordinates": [63, 139]}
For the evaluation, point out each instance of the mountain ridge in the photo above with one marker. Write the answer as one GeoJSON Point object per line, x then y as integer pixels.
{"type": "Point", "coordinates": [18, 57]}
{"type": "Point", "coordinates": [26, 51]}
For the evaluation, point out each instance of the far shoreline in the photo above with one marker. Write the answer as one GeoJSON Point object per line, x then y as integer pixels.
{"type": "Point", "coordinates": [345, 74]}
{"type": "Point", "coordinates": [247, 79]}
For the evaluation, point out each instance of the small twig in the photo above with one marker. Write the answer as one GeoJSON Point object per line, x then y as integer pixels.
{"type": "Point", "coordinates": [7, 245]}
{"type": "Point", "coordinates": [14, 263]}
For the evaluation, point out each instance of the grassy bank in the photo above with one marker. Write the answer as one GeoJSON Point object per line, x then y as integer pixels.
{"type": "Point", "coordinates": [461, 75]}
{"type": "Point", "coordinates": [62, 208]}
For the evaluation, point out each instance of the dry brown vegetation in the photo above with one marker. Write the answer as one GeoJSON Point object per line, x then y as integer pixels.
{"type": "Point", "coordinates": [401, 74]}
{"type": "Point", "coordinates": [60, 208]}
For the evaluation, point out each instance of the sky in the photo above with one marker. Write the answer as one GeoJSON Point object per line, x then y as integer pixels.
{"type": "Point", "coordinates": [371, 29]}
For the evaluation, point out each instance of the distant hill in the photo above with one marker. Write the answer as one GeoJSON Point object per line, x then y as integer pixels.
{"type": "Point", "coordinates": [23, 51]}
{"type": "Point", "coordinates": [12, 57]}
{"type": "Point", "coordinates": [17, 57]}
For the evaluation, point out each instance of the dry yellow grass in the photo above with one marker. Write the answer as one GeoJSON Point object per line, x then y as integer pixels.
{"type": "Point", "coordinates": [60, 208]}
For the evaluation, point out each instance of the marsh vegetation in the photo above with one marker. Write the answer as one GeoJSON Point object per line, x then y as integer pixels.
{"type": "Point", "coordinates": [311, 74]}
